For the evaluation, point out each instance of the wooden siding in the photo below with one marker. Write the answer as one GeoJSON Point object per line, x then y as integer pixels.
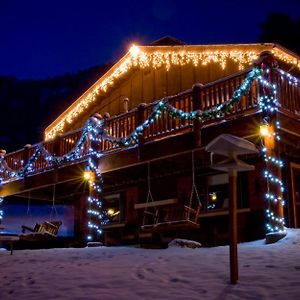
{"type": "Point", "coordinates": [145, 86]}
{"type": "Point", "coordinates": [209, 96]}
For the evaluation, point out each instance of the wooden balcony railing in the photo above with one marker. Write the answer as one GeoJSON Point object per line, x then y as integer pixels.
{"type": "Point", "coordinates": [288, 95]}
{"type": "Point", "coordinates": [122, 125]}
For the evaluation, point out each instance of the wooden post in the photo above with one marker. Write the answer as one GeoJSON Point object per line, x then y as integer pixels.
{"type": "Point", "coordinates": [2, 153]}
{"type": "Point", "coordinates": [125, 104]}
{"type": "Point", "coordinates": [197, 105]}
{"type": "Point", "coordinates": [233, 226]}
{"type": "Point", "coordinates": [57, 149]}
{"type": "Point", "coordinates": [140, 121]}
{"type": "Point", "coordinates": [232, 165]}
{"type": "Point", "coordinates": [26, 154]}
{"type": "Point", "coordinates": [80, 218]}
{"type": "Point", "coordinates": [269, 118]}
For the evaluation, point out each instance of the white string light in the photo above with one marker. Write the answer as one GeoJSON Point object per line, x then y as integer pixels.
{"type": "Point", "coordinates": [95, 130]}
{"type": "Point", "coordinates": [1, 210]}
{"type": "Point", "coordinates": [268, 104]}
{"type": "Point", "coordinates": [146, 57]}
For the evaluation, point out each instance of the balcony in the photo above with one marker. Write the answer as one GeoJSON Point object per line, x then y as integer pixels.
{"type": "Point", "coordinates": [202, 97]}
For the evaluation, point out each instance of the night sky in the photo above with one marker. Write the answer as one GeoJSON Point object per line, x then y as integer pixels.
{"type": "Point", "coordinates": [40, 39]}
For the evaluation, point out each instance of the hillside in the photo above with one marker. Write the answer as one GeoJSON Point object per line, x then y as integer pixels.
{"type": "Point", "coordinates": [28, 106]}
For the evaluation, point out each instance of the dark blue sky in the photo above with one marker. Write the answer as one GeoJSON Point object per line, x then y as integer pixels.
{"type": "Point", "coordinates": [42, 38]}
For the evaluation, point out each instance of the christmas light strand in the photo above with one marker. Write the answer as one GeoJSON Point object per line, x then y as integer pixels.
{"type": "Point", "coordinates": [292, 80]}
{"type": "Point", "coordinates": [1, 209]}
{"type": "Point", "coordinates": [269, 105]}
{"type": "Point", "coordinates": [157, 57]}
{"type": "Point", "coordinates": [147, 59]}
{"type": "Point", "coordinates": [95, 130]}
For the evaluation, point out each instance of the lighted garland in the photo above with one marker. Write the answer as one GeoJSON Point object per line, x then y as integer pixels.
{"type": "Point", "coordinates": [292, 80]}
{"type": "Point", "coordinates": [163, 105]}
{"type": "Point", "coordinates": [4, 168]}
{"type": "Point", "coordinates": [95, 130]}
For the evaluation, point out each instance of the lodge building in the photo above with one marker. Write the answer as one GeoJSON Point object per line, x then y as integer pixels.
{"type": "Point", "coordinates": [139, 135]}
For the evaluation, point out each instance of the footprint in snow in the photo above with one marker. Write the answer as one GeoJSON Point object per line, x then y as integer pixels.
{"type": "Point", "coordinates": [294, 283]}
{"type": "Point", "coordinates": [174, 279]}
{"type": "Point", "coordinates": [74, 258]}
{"type": "Point", "coordinates": [140, 275]}
{"type": "Point", "coordinates": [270, 266]}
{"type": "Point", "coordinates": [201, 291]}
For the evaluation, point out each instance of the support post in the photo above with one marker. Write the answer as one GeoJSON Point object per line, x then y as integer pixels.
{"type": "Point", "coordinates": [80, 218]}
{"type": "Point", "coordinates": [270, 139]}
{"type": "Point", "coordinates": [233, 226]}
{"type": "Point", "coordinates": [231, 146]}
{"type": "Point", "coordinates": [57, 145]}
{"type": "Point", "coordinates": [140, 121]}
{"type": "Point", "coordinates": [197, 105]}
{"type": "Point", "coordinates": [125, 104]}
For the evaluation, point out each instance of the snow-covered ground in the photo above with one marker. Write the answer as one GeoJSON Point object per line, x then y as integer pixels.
{"type": "Point", "coordinates": [266, 272]}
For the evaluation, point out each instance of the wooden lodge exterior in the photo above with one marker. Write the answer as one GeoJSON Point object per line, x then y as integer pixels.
{"type": "Point", "coordinates": [150, 183]}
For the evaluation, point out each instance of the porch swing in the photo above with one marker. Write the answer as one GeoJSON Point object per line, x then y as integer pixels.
{"type": "Point", "coordinates": [45, 231]}
{"type": "Point", "coordinates": [170, 214]}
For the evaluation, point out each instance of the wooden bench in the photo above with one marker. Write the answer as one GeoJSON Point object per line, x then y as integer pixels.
{"type": "Point", "coordinates": [156, 203]}
{"type": "Point", "coordinates": [44, 231]}
{"type": "Point", "coordinates": [168, 214]}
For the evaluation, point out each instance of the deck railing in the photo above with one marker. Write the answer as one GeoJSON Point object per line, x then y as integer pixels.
{"type": "Point", "coordinates": [288, 95]}
{"type": "Point", "coordinates": [122, 125]}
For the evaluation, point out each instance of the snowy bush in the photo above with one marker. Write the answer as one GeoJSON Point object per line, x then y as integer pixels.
{"type": "Point", "coordinates": [184, 243]}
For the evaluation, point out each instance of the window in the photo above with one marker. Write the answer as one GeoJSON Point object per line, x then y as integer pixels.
{"type": "Point", "coordinates": [112, 204]}
{"type": "Point", "coordinates": [217, 192]}
{"type": "Point", "coordinates": [217, 195]}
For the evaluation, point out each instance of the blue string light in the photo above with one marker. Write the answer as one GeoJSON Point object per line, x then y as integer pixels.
{"type": "Point", "coordinates": [268, 104]}
{"type": "Point", "coordinates": [1, 210]}
{"type": "Point", "coordinates": [95, 130]}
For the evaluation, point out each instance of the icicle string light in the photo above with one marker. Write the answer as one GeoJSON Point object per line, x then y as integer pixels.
{"type": "Point", "coordinates": [145, 57]}
{"type": "Point", "coordinates": [157, 59]}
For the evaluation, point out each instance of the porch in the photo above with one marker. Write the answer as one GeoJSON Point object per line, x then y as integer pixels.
{"type": "Point", "coordinates": [166, 144]}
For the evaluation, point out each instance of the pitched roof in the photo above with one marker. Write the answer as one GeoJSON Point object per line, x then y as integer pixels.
{"type": "Point", "coordinates": [166, 56]}
{"type": "Point", "coordinates": [167, 41]}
